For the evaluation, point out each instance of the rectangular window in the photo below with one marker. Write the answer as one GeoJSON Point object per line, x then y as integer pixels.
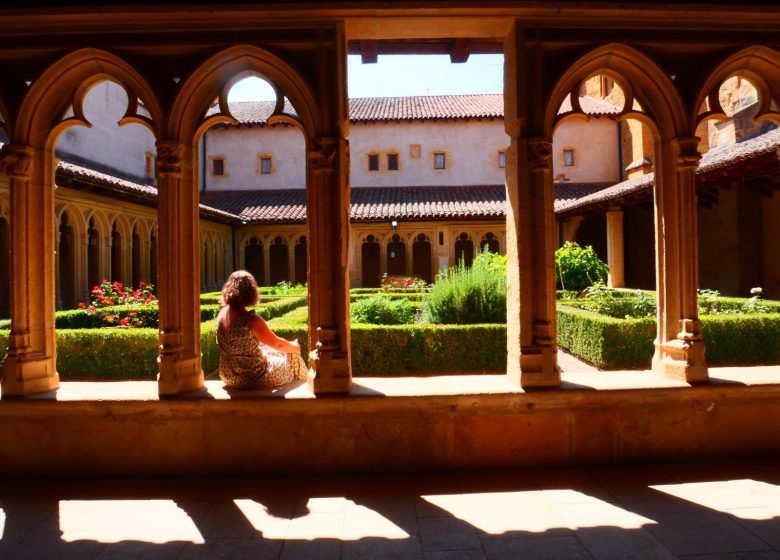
{"type": "Point", "coordinates": [439, 160]}
{"type": "Point", "coordinates": [373, 162]}
{"type": "Point", "coordinates": [501, 159]}
{"type": "Point", "coordinates": [265, 166]}
{"type": "Point", "coordinates": [149, 164]}
{"type": "Point", "coordinates": [218, 167]}
{"type": "Point", "coordinates": [568, 157]}
{"type": "Point", "coordinates": [392, 162]}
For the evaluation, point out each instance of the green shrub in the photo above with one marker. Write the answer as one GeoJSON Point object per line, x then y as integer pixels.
{"type": "Point", "coordinates": [285, 288]}
{"type": "Point", "coordinates": [468, 295]}
{"type": "Point", "coordinates": [606, 342]}
{"type": "Point", "coordinates": [420, 349]}
{"type": "Point", "coordinates": [735, 340]}
{"type": "Point", "coordinates": [138, 315]}
{"type": "Point", "coordinates": [577, 267]}
{"type": "Point", "coordinates": [107, 354]}
{"type": "Point", "coordinates": [381, 310]}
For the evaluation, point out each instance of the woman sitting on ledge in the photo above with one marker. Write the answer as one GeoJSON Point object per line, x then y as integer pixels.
{"type": "Point", "coordinates": [251, 356]}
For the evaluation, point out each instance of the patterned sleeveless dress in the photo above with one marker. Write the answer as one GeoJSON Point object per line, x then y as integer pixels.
{"type": "Point", "coordinates": [246, 364]}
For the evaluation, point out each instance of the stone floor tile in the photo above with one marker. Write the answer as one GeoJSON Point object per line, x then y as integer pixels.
{"type": "Point", "coordinates": [470, 554]}
{"type": "Point", "coordinates": [320, 549]}
{"type": "Point", "coordinates": [762, 522]}
{"type": "Point", "coordinates": [447, 533]}
{"type": "Point", "coordinates": [382, 549]}
{"type": "Point", "coordinates": [764, 555]}
{"type": "Point", "coordinates": [232, 549]}
{"type": "Point", "coordinates": [499, 513]}
{"type": "Point", "coordinates": [615, 543]}
{"type": "Point", "coordinates": [317, 526]}
{"type": "Point", "coordinates": [225, 519]}
{"type": "Point", "coordinates": [137, 550]}
{"type": "Point", "coordinates": [438, 505]}
{"type": "Point", "coordinates": [363, 522]}
{"type": "Point", "coordinates": [535, 548]}
{"type": "Point", "coordinates": [35, 548]}
{"type": "Point", "coordinates": [334, 504]}
{"type": "Point", "coordinates": [398, 509]}
{"type": "Point", "coordinates": [268, 522]}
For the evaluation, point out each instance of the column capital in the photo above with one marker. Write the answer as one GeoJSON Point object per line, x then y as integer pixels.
{"type": "Point", "coordinates": [687, 150]}
{"type": "Point", "coordinates": [16, 160]}
{"type": "Point", "coordinates": [322, 153]}
{"type": "Point", "coordinates": [540, 154]}
{"type": "Point", "coordinates": [169, 156]}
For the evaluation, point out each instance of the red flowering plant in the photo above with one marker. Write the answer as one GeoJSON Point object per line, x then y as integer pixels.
{"type": "Point", "coordinates": [410, 283]}
{"type": "Point", "coordinates": [107, 295]}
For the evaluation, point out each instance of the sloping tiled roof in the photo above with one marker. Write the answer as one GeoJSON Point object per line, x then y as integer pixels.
{"type": "Point", "coordinates": [728, 154]}
{"type": "Point", "coordinates": [717, 158]}
{"type": "Point", "coordinates": [252, 112]}
{"type": "Point", "coordinates": [148, 192]}
{"type": "Point", "coordinates": [424, 107]}
{"type": "Point", "coordinates": [416, 107]}
{"type": "Point", "coordinates": [590, 106]}
{"type": "Point", "coordinates": [370, 204]}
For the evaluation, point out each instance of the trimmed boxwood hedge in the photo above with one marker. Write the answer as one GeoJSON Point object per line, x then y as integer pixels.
{"type": "Point", "coordinates": [608, 343]}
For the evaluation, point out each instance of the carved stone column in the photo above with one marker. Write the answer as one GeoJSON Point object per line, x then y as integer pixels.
{"type": "Point", "coordinates": [679, 349]}
{"type": "Point", "coordinates": [532, 359]}
{"type": "Point", "coordinates": [30, 365]}
{"type": "Point", "coordinates": [327, 196]}
{"type": "Point", "coordinates": [178, 265]}
{"type": "Point", "coordinates": [266, 281]}
{"type": "Point", "coordinates": [615, 252]}
{"type": "Point", "coordinates": [570, 227]}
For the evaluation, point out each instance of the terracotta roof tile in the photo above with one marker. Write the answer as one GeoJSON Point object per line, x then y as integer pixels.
{"type": "Point", "coordinates": [590, 106]}
{"type": "Point", "coordinates": [727, 154]}
{"type": "Point", "coordinates": [418, 107]}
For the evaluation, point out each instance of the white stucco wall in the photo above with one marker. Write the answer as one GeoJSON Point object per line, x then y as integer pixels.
{"type": "Point", "coordinates": [106, 143]}
{"type": "Point", "coordinates": [240, 147]}
{"type": "Point", "coordinates": [595, 151]}
{"type": "Point", "coordinates": [471, 149]}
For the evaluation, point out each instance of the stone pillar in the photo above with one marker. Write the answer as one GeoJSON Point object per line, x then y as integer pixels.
{"type": "Point", "coordinates": [570, 227]}
{"type": "Point", "coordinates": [327, 201]}
{"type": "Point", "coordinates": [267, 262]}
{"type": "Point", "coordinates": [291, 259]}
{"type": "Point", "coordinates": [530, 223]}
{"type": "Point", "coordinates": [178, 265]}
{"type": "Point", "coordinates": [82, 270]}
{"type": "Point", "coordinates": [382, 256]}
{"type": "Point", "coordinates": [30, 364]}
{"type": "Point", "coordinates": [615, 252]}
{"type": "Point", "coordinates": [57, 267]}
{"type": "Point", "coordinates": [679, 349]}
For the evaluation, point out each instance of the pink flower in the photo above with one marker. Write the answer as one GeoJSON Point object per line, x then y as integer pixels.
{"type": "Point", "coordinates": [81, 305]}
{"type": "Point", "coordinates": [124, 322]}
{"type": "Point", "coordinates": [141, 284]}
{"type": "Point", "coordinates": [132, 314]}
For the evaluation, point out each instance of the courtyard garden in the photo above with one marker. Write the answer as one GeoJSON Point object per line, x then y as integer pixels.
{"type": "Point", "coordinates": [457, 325]}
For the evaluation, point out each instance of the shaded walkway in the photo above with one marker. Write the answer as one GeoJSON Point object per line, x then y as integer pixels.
{"type": "Point", "coordinates": [720, 509]}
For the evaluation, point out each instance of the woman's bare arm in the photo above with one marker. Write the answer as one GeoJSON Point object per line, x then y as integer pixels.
{"type": "Point", "coordinates": [265, 335]}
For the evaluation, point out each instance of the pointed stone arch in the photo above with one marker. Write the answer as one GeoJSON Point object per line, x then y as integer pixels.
{"type": "Point", "coordinates": [66, 81]}
{"type": "Point", "coordinates": [760, 65]}
{"type": "Point", "coordinates": [215, 74]}
{"type": "Point", "coordinates": [640, 77]}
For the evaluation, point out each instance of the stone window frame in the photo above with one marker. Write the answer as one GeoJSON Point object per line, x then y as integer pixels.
{"type": "Point", "coordinates": [397, 160]}
{"type": "Point", "coordinates": [569, 150]}
{"type": "Point", "coordinates": [443, 154]}
{"type": "Point", "coordinates": [415, 151]}
{"type": "Point", "coordinates": [212, 160]}
{"type": "Point", "coordinates": [149, 165]}
{"type": "Point", "coordinates": [369, 159]}
{"type": "Point", "coordinates": [265, 156]}
{"type": "Point", "coordinates": [501, 159]}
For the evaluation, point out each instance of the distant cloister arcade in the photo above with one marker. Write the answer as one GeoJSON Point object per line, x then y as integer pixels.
{"type": "Point", "coordinates": [538, 77]}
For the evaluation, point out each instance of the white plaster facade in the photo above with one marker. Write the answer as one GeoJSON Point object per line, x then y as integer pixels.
{"type": "Point", "coordinates": [595, 146]}
{"type": "Point", "coordinates": [123, 149]}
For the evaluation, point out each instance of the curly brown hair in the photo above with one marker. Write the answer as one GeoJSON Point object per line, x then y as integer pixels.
{"type": "Point", "coordinates": [240, 290]}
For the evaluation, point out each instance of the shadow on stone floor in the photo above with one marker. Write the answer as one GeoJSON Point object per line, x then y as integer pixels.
{"type": "Point", "coordinates": [431, 515]}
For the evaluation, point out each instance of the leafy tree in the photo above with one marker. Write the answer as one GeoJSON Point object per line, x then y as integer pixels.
{"type": "Point", "coordinates": [577, 267]}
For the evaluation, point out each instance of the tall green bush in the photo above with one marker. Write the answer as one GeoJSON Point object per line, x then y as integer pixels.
{"type": "Point", "coordinates": [381, 310]}
{"type": "Point", "coordinates": [469, 295]}
{"type": "Point", "coordinates": [577, 267]}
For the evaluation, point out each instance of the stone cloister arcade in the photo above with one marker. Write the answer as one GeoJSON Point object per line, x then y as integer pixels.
{"type": "Point", "coordinates": [668, 71]}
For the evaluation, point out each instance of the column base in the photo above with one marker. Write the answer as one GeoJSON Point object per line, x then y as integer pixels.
{"type": "Point", "coordinates": [681, 359]}
{"type": "Point", "coordinates": [28, 374]}
{"type": "Point", "coordinates": [329, 373]}
{"type": "Point", "coordinates": [538, 368]}
{"type": "Point", "coordinates": [179, 375]}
